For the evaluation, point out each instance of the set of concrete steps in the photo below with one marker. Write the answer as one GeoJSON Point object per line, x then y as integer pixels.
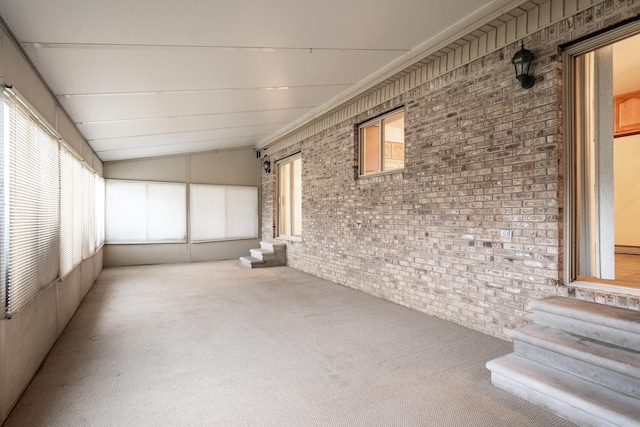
{"type": "Point", "coordinates": [579, 360]}
{"type": "Point", "coordinates": [270, 254]}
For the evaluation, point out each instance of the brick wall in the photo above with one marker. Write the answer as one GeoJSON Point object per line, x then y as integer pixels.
{"type": "Point", "coordinates": [482, 155]}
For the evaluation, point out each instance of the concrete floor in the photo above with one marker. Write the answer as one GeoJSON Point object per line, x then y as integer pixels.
{"type": "Point", "coordinates": [215, 344]}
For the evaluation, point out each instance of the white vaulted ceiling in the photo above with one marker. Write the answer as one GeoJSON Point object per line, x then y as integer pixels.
{"type": "Point", "coordinates": [144, 78]}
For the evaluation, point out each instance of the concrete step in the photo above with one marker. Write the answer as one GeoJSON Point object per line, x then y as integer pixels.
{"type": "Point", "coordinates": [262, 254]}
{"type": "Point", "coordinates": [273, 246]}
{"type": "Point", "coordinates": [600, 322]}
{"type": "Point", "coordinates": [613, 366]}
{"type": "Point", "coordinates": [252, 262]}
{"type": "Point", "coordinates": [576, 399]}
{"type": "Point", "coordinates": [270, 254]}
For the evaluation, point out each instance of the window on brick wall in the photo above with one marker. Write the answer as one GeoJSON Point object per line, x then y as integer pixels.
{"type": "Point", "coordinates": [290, 198]}
{"type": "Point", "coordinates": [603, 240]}
{"type": "Point", "coordinates": [382, 144]}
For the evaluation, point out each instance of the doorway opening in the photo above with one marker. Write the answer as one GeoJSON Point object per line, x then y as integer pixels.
{"type": "Point", "coordinates": [603, 159]}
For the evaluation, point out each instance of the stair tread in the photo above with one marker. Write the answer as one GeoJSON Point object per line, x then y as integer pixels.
{"type": "Point", "coordinates": [611, 356]}
{"type": "Point", "coordinates": [263, 251]}
{"type": "Point", "coordinates": [613, 317]}
{"type": "Point", "coordinates": [574, 391]}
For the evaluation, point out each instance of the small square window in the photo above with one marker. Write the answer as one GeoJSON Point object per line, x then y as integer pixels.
{"type": "Point", "coordinates": [382, 144]}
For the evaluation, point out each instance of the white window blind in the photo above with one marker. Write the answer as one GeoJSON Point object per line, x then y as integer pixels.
{"type": "Point", "coordinates": [145, 212]}
{"type": "Point", "coordinates": [70, 211]}
{"type": "Point", "coordinates": [88, 213]}
{"type": "Point", "coordinates": [34, 205]}
{"type": "Point", "coordinates": [3, 207]}
{"type": "Point", "coordinates": [222, 212]}
{"type": "Point", "coordinates": [99, 211]}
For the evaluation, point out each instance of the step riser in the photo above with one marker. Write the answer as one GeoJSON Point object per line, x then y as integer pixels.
{"type": "Point", "coordinates": [261, 254]}
{"type": "Point", "coordinates": [273, 246]}
{"type": "Point", "coordinates": [575, 415]}
{"type": "Point", "coordinates": [612, 317]}
{"type": "Point", "coordinates": [602, 333]}
{"type": "Point", "coordinates": [596, 373]}
{"type": "Point", "coordinates": [251, 262]}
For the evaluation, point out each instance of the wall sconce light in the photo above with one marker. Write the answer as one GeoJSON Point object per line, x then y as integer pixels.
{"type": "Point", "coordinates": [522, 63]}
{"type": "Point", "coordinates": [266, 165]}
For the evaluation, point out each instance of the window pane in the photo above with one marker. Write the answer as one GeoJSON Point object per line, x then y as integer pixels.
{"type": "Point", "coordinates": [99, 209]}
{"type": "Point", "coordinates": [394, 141]}
{"type": "Point", "coordinates": [370, 149]}
{"type": "Point", "coordinates": [296, 197]}
{"type": "Point", "coordinates": [208, 212]}
{"type": "Point", "coordinates": [70, 211]}
{"type": "Point", "coordinates": [223, 212]}
{"type": "Point", "coordinates": [88, 213]}
{"type": "Point", "coordinates": [290, 197]}
{"type": "Point", "coordinates": [284, 207]}
{"type": "Point", "coordinates": [145, 212]}
{"type": "Point", "coordinates": [166, 212]}
{"type": "Point", "coordinates": [242, 212]}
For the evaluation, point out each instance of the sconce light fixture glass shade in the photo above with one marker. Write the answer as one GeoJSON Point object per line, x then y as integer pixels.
{"type": "Point", "coordinates": [266, 165]}
{"type": "Point", "coordinates": [522, 63]}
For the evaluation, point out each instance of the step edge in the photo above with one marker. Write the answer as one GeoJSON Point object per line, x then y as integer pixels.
{"type": "Point", "coordinates": [589, 312]}
{"type": "Point", "coordinates": [612, 362]}
{"type": "Point", "coordinates": [582, 400]}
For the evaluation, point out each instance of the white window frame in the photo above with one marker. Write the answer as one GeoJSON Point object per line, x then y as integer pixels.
{"type": "Point", "coordinates": [292, 205]}
{"type": "Point", "coordinates": [381, 166]}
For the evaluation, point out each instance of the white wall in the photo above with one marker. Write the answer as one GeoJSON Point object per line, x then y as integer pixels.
{"type": "Point", "coordinates": [627, 190]}
{"type": "Point", "coordinates": [26, 339]}
{"type": "Point", "coordinates": [228, 167]}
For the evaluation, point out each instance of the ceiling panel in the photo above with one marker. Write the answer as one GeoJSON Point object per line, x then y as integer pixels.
{"type": "Point", "coordinates": [149, 78]}
{"type": "Point", "coordinates": [353, 24]}
{"type": "Point", "coordinates": [74, 70]}
{"type": "Point", "coordinates": [156, 126]}
{"type": "Point", "coordinates": [112, 107]}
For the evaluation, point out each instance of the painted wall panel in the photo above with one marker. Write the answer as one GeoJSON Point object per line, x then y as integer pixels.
{"type": "Point", "coordinates": [68, 299]}
{"type": "Point", "coordinates": [17, 72]}
{"type": "Point", "coordinates": [232, 249]}
{"type": "Point", "coordinates": [67, 129]}
{"type": "Point", "coordinates": [118, 255]}
{"type": "Point", "coordinates": [30, 334]}
{"type": "Point", "coordinates": [232, 167]}
{"type": "Point", "coordinates": [170, 169]}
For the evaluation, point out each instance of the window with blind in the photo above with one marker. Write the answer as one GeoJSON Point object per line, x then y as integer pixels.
{"type": "Point", "coordinates": [223, 212]}
{"type": "Point", "coordinates": [31, 186]}
{"type": "Point", "coordinates": [145, 212]}
{"type": "Point", "coordinates": [99, 211]}
{"type": "Point", "coordinates": [88, 213]}
{"type": "Point", "coordinates": [70, 211]}
{"type": "Point", "coordinates": [4, 113]}
{"type": "Point", "coordinates": [49, 198]}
